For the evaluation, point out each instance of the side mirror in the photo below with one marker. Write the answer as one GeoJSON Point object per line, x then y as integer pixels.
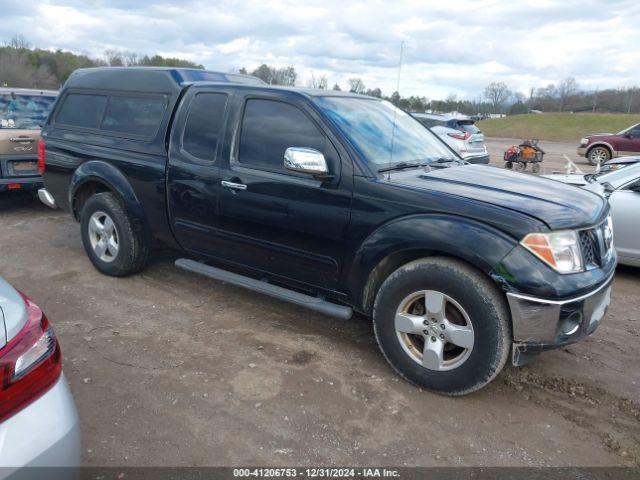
{"type": "Point", "coordinates": [305, 160]}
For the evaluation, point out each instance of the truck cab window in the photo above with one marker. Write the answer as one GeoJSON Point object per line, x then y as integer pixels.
{"type": "Point", "coordinates": [203, 125]}
{"type": "Point", "coordinates": [270, 127]}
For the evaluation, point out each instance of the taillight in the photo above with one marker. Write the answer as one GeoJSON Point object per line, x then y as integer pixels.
{"type": "Point", "coordinates": [460, 136]}
{"type": "Point", "coordinates": [42, 157]}
{"type": "Point", "coordinates": [29, 364]}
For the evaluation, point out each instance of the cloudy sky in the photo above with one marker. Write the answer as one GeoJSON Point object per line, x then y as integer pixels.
{"type": "Point", "coordinates": [450, 47]}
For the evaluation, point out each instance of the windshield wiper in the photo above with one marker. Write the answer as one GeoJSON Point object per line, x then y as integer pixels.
{"type": "Point", "coordinates": [445, 160]}
{"type": "Point", "coordinates": [400, 166]}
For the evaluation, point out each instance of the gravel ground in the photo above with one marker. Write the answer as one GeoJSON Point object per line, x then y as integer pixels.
{"type": "Point", "coordinates": [168, 368]}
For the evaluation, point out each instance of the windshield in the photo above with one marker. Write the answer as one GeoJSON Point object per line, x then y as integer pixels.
{"type": "Point", "coordinates": [24, 111]}
{"type": "Point", "coordinates": [628, 129]}
{"type": "Point", "coordinates": [369, 125]}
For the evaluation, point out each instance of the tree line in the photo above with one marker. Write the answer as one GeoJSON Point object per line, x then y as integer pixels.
{"type": "Point", "coordinates": [27, 67]}
{"type": "Point", "coordinates": [24, 66]}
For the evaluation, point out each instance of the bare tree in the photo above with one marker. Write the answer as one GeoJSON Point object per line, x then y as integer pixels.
{"type": "Point", "coordinates": [318, 82]}
{"type": "Point", "coordinates": [356, 85]}
{"type": "Point", "coordinates": [114, 58]}
{"type": "Point", "coordinates": [566, 89]}
{"type": "Point", "coordinates": [497, 94]}
{"type": "Point", "coordinates": [19, 42]}
{"type": "Point", "coordinates": [15, 71]}
{"type": "Point", "coordinates": [336, 87]}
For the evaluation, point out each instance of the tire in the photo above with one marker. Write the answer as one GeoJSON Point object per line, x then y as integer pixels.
{"type": "Point", "coordinates": [508, 165]}
{"type": "Point", "coordinates": [520, 166]}
{"type": "Point", "coordinates": [598, 154]}
{"type": "Point", "coordinates": [535, 168]}
{"type": "Point", "coordinates": [465, 291]}
{"type": "Point", "coordinates": [106, 225]}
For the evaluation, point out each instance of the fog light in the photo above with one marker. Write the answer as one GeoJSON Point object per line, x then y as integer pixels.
{"type": "Point", "coordinates": [570, 325]}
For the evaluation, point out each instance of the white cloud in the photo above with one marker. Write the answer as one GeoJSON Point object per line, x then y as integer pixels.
{"type": "Point", "coordinates": [449, 47]}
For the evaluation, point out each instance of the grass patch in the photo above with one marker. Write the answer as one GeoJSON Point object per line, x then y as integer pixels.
{"type": "Point", "coordinates": [563, 127]}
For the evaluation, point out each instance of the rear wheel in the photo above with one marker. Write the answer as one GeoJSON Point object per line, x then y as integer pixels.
{"type": "Point", "coordinates": [598, 155]}
{"type": "Point", "coordinates": [442, 325]}
{"type": "Point", "coordinates": [521, 166]}
{"type": "Point", "coordinates": [535, 168]}
{"type": "Point", "coordinates": [111, 243]}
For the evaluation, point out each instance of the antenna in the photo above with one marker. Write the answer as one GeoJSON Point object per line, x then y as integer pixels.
{"type": "Point", "coordinates": [393, 131]}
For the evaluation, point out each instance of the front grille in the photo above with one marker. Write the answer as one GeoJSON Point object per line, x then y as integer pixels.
{"type": "Point", "coordinates": [590, 248]}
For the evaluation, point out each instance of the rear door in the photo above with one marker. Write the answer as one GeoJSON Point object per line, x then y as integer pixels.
{"type": "Point", "coordinates": [193, 176]}
{"type": "Point", "coordinates": [280, 222]}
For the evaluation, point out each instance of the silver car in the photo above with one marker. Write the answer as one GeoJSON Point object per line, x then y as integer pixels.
{"type": "Point", "coordinates": [622, 188]}
{"type": "Point", "coordinates": [38, 418]}
{"type": "Point", "coordinates": [460, 133]}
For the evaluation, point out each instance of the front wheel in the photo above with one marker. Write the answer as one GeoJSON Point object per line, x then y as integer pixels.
{"type": "Point", "coordinates": [598, 155]}
{"type": "Point", "coordinates": [108, 236]}
{"type": "Point", "coordinates": [442, 325]}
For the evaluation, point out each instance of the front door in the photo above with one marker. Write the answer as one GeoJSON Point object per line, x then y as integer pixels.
{"type": "Point", "coordinates": [283, 223]}
{"type": "Point", "coordinates": [629, 143]}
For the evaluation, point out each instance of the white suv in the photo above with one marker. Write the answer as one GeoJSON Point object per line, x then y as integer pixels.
{"type": "Point", "coordinates": [38, 419]}
{"type": "Point", "coordinates": [461, 134]}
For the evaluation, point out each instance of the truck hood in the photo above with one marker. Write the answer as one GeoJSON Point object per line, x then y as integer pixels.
{"type": "Point", "coordinates": [558, 205]}
{"type": "Point", "coordinates": [13, 312]}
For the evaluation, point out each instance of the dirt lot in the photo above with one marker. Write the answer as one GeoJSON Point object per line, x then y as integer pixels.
{"type": "Point", "coordinates": [172, 369]}
{"type": "Point", "coordinates": [554, 154]}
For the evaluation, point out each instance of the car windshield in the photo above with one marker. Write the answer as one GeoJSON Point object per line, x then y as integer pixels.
{"type": "Point", "coordinates": [24, 111]}
{"type": "Point", "coordinates": [620, 176]}
{"type": "Point", "coordinates": [383, 134]}
{"type": "Point", "coordinates": [628, 129]}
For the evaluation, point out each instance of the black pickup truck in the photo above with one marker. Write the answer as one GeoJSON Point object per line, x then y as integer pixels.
{"type": "Point", "coordinates": [334, 201]}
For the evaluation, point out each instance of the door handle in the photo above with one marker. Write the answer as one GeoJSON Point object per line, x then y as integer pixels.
{"type": "Point", "coordinates": [233, 186]}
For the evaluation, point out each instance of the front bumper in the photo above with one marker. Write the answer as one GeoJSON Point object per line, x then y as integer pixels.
{"type": "Point", "coordinates": [540, 324]}
{"type": "Point", "coordinates": [582, 151]}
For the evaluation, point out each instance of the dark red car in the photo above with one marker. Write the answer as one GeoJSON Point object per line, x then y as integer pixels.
{"type": "Point", "coordinates": [604, 146]}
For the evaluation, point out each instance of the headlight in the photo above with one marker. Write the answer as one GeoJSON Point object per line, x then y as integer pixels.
{"type": "Point", "coordinates": [584, 141]}
{"type": "Point", "coordinates": [560, 250]}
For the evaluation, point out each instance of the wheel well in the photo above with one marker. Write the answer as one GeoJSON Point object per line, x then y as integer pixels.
{"type": "Point", "coordinates": [391, 263]}
{"type": "Point", "coordinates": [84, 193]}
{"type": "Point", "coordinates": [606, 147]}
{"type": "Point", "coordinates": [383, 269]}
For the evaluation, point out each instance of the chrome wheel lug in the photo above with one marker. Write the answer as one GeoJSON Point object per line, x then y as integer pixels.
{"type": "Point", "coordinates": [442, 326]}
{"type": "Point", "coordinates": [433, 339]}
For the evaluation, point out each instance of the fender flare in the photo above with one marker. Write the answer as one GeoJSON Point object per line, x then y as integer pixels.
{"type": "Point", "coordinates": [113, 179]}
{"type": "Point", "coordinates": [601, 143]}
{"type": "Point", "coordinates": [409, 238]}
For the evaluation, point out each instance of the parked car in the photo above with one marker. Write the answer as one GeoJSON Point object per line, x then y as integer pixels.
{"type": "Point", "coordinates": [22, 114]}
{"type": "Point", "coordinates": [604, 146]}
{"type": "Point", "coordinates": [461, 134]}
{"type": "Point", "coordinates": [38, 419]}
{"type": "Point", "coordinates": [622, 188]}
{"type": "Point", "coordinates": [336, 202]}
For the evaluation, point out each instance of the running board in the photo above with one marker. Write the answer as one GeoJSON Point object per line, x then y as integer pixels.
{"type": "Point", "coordinates": [313, 303]}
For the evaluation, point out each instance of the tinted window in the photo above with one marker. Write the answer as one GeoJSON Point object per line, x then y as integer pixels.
{"type": "Point", "coordinates": [134, 115]}
{"type": "Point", "coordinates": [204, 124]}
{"type": "Point", "coordinates": [468, 127]}
{"type": "Point", "coordinates": [24, 111]}
{"type": "Point", "coordinates": [82, 110]}
{"type": "Point", "coordinates": [269, 128]}
{"type": "Point", "coordinates": [430, 122]}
